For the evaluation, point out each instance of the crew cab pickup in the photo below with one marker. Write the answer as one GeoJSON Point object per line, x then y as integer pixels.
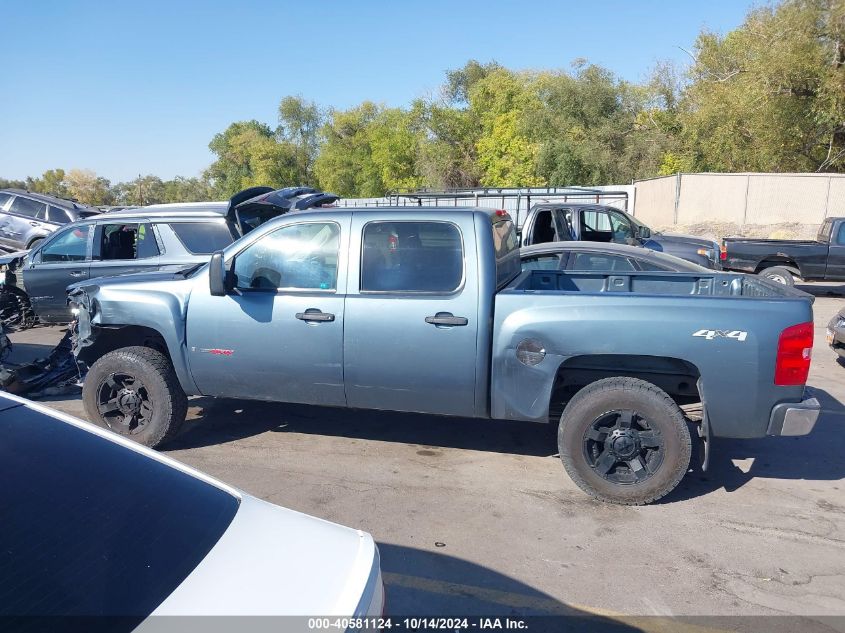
{"type": "Point", "coordinates": [822, 259]}
{"type": "Point", "coordinates": [427, 310]}
{"type": "Point", "coordinates": [556, 222]}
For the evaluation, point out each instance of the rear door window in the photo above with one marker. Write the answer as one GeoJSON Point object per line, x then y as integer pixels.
{"type": "Point", "coordinates": [27, 207]}
{"type": "Point", "coordinates": [412, 257]}
{"type": "Point", "coordinates": [95, 528]}
{"type": "Point", "coordinates": [203, 238]}
{"type": "Point", "coordinates": [125, 242]}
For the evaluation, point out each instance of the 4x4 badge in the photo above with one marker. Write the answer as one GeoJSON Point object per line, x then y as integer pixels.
{"type": "Point", "coordinates": [739, 335]}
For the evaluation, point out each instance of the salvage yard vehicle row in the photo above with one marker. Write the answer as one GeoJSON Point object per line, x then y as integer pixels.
{"type": "Point", "coordinates": [427, 310]}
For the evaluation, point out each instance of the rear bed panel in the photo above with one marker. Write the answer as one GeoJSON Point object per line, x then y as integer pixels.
{"type": "Point", "coordinates": [730, 338]}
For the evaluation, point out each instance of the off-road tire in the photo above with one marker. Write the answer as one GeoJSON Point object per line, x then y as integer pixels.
{"type": "Point", "coordinates": [648, 401]}
{"type": "Point", "coordinates": [168, 401]}
{"type": "Point", "coordinates": [779, 275]}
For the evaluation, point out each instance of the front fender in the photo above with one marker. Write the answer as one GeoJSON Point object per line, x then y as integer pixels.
{"type": "Point", "coordinates": [159, 309]}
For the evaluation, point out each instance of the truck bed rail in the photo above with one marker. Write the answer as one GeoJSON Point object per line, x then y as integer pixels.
{"type": "Point", "coordinates": [653, 283]}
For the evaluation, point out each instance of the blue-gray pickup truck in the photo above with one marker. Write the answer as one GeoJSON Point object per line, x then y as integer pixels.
{"type": "Point", "coordinates": [427, 310]}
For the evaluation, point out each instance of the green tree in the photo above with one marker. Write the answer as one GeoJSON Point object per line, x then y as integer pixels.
{"type": "Point", "coordinates": [299, 126]}
{"type": "Point", "coordinates": [86, 187]}
{"type": "Point", "coordinates": [345, 164]}
{"type": "Point", "coordinates": [770, 95]}
{"type": "Point", "coordinates": [501, 101]}
{"type": "Point", "coordinates": [5, 183]}
{"type": "Point", "coordinates": [51, 182]}
{"type": "Point", "coordinates": [249, 154]}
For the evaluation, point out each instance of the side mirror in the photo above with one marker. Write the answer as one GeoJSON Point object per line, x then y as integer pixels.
{"type": "Point", "coordinates": [645, 232]}
{"type": "Point", "coordinates": [217, 275]}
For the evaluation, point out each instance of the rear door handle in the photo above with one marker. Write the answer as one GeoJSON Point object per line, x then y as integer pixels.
{"type": "Point", "coordinates": [446, 318]}
{"type": "Point", "coordinates": [313, 314]}
{"type": "Point", "coordinates": [35, 223]}
{"type": "Point", "coordinates": [76, 273]}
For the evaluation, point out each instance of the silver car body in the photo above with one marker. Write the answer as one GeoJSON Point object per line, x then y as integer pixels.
{"type": "Point", "coordinates": [270, 560]}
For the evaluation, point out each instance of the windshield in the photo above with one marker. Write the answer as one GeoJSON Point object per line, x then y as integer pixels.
{"type": "Point", "coordinates": [95, 528]}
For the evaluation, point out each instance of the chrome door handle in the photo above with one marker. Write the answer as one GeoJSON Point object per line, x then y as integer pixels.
{"type": "Point", "coordinates": [313, 314]}
{"type": "Point", "coordinates": [76, 273]}
{"type": "Point", "coordinates": [446, 318]}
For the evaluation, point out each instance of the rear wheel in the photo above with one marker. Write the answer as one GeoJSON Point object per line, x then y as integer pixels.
{"type": "Point", "coordinates": [778, 274]}
{"type": "Point", "coordinates": [624, 440]}
{"type": "Point", "coordinates": [134, 392]}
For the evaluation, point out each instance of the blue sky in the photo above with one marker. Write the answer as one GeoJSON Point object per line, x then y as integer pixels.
{"type": "Point", "coordinates": [129, 87]}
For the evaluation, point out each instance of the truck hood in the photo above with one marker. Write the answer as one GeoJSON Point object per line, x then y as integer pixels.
{"type": "Point", "coordinates": [275, 561]}
{"type": "Point", "coordinates": [171, 273]}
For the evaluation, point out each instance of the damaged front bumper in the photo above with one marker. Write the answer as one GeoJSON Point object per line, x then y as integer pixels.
{"type": "Point", "coordinates": [82, 330]}
{"type": "Point", "coordinates": [795, 418]}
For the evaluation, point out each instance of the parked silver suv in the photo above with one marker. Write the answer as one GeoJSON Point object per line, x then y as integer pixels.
{"type": "Point", "coordinates": [26, 218]}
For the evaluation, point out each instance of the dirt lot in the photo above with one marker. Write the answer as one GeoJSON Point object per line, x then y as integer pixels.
{"type": "Point", "coordinates": [479, 517]}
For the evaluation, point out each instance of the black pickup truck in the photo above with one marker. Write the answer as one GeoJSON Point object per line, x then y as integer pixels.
{"type": "Point", "coordinates": [822, 259]}
{"type": "Point", "coordinates": [550, 222]}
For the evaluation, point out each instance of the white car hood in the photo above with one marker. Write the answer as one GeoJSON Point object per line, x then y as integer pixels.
{"type": "Point", "coordinates": [274, 561]}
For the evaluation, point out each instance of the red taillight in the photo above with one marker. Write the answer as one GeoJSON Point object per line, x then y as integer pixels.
{"type": "Point", "coordinates": [501, 213]}
{"type": "Point", "coordinates": [795, 348]}
{"type": "Point", "coordinates": [723, 252]}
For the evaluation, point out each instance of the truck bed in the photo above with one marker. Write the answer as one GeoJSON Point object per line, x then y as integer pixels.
{"type": "Point", "coordinates": [654, 283]}
{"type": "Point", "coordinates": [723, 328]}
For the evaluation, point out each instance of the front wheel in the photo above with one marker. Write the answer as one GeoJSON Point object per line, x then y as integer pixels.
{"type": "Point", "coordinates": [134, 392]}
{"type": "Point", "coordinates": [624, 440]}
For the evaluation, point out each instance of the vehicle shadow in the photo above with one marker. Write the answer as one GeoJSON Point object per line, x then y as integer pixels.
{"type": "Point", "coordinates": [27, 352]}
{"type": "Point", "coordinates": [815, 457]}
{"type": "Point", "coordinates": [224, 420]}
{"type": "Point", "coordinates": [428, 583]}
{"type": "Point", "coordinates": [823, 289]}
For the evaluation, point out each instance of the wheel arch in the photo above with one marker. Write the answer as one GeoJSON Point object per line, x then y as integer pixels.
{"type": "Point", "coordinates": [778, 260]}
{"type": "Point", "coordinates": [679, 378]}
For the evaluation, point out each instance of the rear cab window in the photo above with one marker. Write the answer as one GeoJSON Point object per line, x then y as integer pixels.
{"type": "Point", "coordinates": [96, 528]}
{"type": "Point", "coordinates": [203, 238]}
{"type": "Point", "coordinates": [825, 230]}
